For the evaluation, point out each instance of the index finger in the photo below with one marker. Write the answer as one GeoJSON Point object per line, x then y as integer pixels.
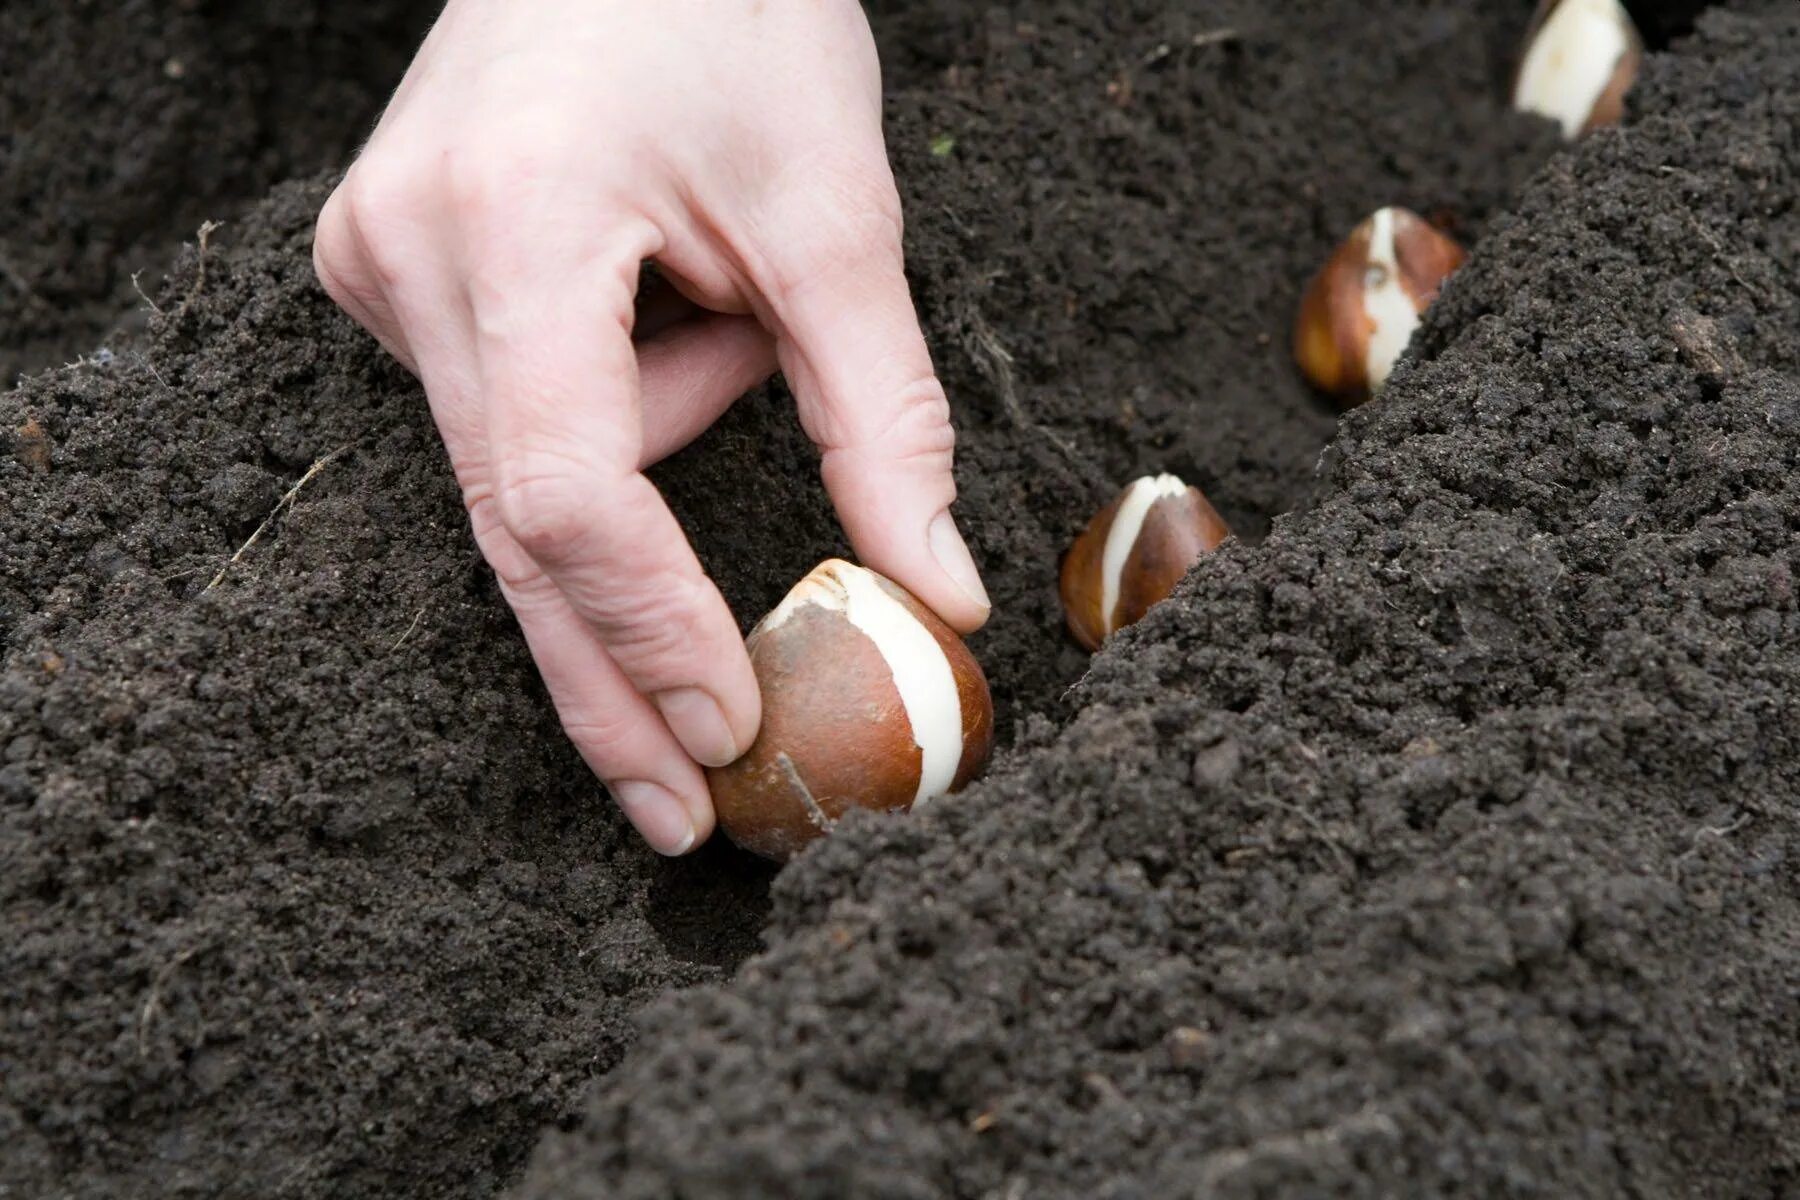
{"type": "Point", "coordinates": [559, 388]}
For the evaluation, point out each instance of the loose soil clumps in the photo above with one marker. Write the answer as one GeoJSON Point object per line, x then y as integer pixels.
{"type": "Point", "coordinates": [123, 126]}
{"type": "Point", "coordinates": [1437, 838]}
{"type": "Point", "coordinates": [1441, 845]}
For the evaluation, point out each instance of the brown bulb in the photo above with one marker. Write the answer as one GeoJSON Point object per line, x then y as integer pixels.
{"type": "Point", "coordinates": [1133, 554]}
{"type": "Point", "coordinates": [1581, 58]}
{"type": "Point", "coordinates": [869, 701]}
{"type": "Point", "coordinates": [1360, 310]}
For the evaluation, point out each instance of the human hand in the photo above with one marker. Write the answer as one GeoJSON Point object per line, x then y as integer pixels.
{"type": "Point", "coordinates": [491, 235]}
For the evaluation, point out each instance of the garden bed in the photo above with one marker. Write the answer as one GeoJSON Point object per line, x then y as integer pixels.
{"type": "Point", "coordinates": [1438, 837]}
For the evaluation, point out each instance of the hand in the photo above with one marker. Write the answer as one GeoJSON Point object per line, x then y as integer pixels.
{"type": "Point", "coordinates": [491, 236]}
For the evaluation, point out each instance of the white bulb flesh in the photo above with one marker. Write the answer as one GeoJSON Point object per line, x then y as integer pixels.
{"type": "Point", "coordinates": [1128, 522]}
{"type": "Point", "coordinates": [1571, 61]}
{"type": "Point", "coordinates": [1385, 301]}
{"type": "Point", "coordinates": [920, 669]}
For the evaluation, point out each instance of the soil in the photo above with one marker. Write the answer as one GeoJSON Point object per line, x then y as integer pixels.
{"type": "Point", "coordinates": [122, 131]}
{"type": "Point", "coordinates": [1437, 838]}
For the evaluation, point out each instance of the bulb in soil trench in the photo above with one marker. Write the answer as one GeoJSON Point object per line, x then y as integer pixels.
{"type": "Point", "coordinates": [869, 701]}
{"type": "Point", "coordinates": [1360, 310]}
{"type": "Point", "coordinates": [1581, 57]}
{"type": "Point", "coordinates": [1132, 555]}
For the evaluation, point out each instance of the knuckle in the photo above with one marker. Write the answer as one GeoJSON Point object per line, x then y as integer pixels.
{"type": "Point", "coordinates": [484, 514]}
{"type": "Point", "coordinates": [911, 425]}
{"type": "Point", "coordinates": [601, 729]}
{"type": "Point", "coordinates": [334, 246]}
{"type": "Point", "coordinates": [921, 417]}
{"type": "Point", "coordinates": [333, 275]}
{"type": "Point", "coordinates": [480, 180]}
{"type": "Point", "coordinates": [377, 193]}
{"type": "Point", "coordinates": [338, 264]}
{"type": "Point", "coordinates": [862, 189]}
{"type": "Point", "coordinates": [655, 624]}
{"type": "Point", "coordinates": [490, 173]}
{"type": "Point", "coordinates": [382, 203]}
{"type": "Point", "coordinates": [845, 224]}
{"type": "Point", "coordinates": [546, 504]}
{"type": "Point", "coordinates": [521, 579]}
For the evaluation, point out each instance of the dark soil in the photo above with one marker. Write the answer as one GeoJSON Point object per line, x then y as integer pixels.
{"type": "Point", "coordinates": [124, 125]}
{"type": "Point", "coordinates": [1441, 843]}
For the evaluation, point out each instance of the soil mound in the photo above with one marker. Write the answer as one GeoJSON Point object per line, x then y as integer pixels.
{"type": "Point", "coordinates": [120, 131]}
{"type": "Point", "coordinates": [1441, 842]}
{"type": "Point", "coordinates": [1444, 844]}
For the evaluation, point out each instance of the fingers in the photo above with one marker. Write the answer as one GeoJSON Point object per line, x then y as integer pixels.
{"type": "Point", "coordinates": [691, 373]}
{"type": "Point", "coordinates": [851, 348]}
{"type": "Point", "coordinates": [565, 436]}
{"type": "Point", "coordinates": [409, 297]}
{"type": "Point", "coordinates": [620, 736]}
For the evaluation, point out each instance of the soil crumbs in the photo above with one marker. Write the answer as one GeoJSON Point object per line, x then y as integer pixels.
{"type": "Point", "coordinates": [1441, 843]}
{"type": "Point", "coordinates": [121, 130]}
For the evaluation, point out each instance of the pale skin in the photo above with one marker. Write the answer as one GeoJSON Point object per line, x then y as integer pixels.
{"type": "Point", "coordinates": [491, 236]}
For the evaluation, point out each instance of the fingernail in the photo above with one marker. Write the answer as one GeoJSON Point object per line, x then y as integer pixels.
{"type": "Point", "coordinates": [699, 725]}
{"type": "Point", "coordinates": [952, 554]}
{"type": "Point", "coordinates": [658, 814]}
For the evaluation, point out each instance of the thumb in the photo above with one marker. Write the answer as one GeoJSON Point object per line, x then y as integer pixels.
{"type": "Point", "coordinates": [850, 346]}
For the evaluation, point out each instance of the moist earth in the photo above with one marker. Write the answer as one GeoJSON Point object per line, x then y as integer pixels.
{"type": "Point", "coordinates": [1437, 838]}
{"type": "Point", "coordinates": [123, 126]}
{"type": "Point", "coordinates": [1441, 844]}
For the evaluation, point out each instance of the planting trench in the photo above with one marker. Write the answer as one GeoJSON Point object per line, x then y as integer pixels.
{"type": "Point", "coordinates": [1437, 838]}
